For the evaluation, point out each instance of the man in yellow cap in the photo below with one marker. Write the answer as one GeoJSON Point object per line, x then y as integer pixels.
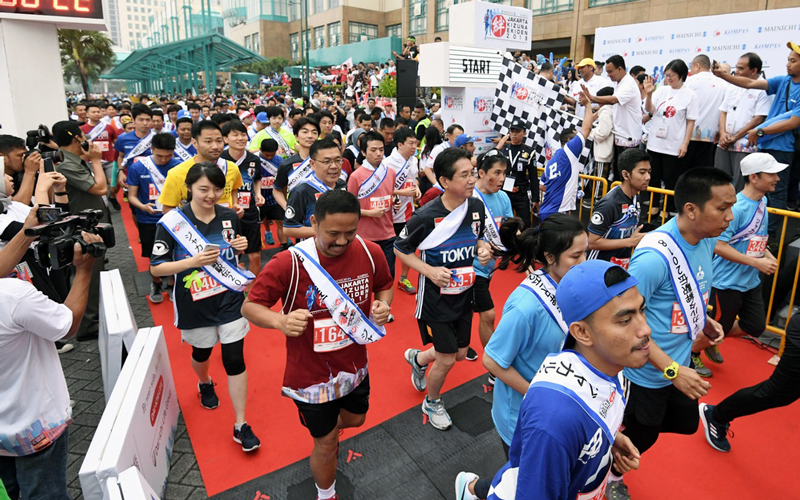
{"type": "Point", "coordinates": [593, 83]}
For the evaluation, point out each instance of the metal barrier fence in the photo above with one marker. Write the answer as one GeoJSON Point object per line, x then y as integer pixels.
{"type": "Point", "coordinates": [600, 182]}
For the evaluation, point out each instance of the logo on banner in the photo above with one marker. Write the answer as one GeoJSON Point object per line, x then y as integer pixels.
{"type": "Point", "coordinates": [733, 46]}
{"type": "Point", "coordinates": [691, 34]}
{"type": "Point", "coordinates": [505, 25]}
{"type": "Point", "coordinates": [526, 94]}
{"type": "Point", "coordinates": [768, 46]}
{"type": "Point", "coordinates": [737, 31]}
{"type": "Point", "coordinates": [778, 28]}
{"type": "Point", "coordinates": [498, 26]}
{"type": "Point", "coordinates": [454, 102]}
{"type": "Point", "coordinates": [482, 104]}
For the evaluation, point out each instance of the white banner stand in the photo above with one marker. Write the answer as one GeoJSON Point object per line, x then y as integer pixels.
{"type": "Point", "coordinates": [117, 327]}
{"type": "Point", "coordinates": [134, 486]}
{"type": "Point", "coordinates": [113, 489]}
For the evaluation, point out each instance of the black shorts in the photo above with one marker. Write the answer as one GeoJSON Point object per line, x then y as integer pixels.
{"type": "Point", "coordinates": [652, 407]}
{"type": "Point", "coordinates": [449, 337]}
{"type": "Point", "coordinates": [272, 212]}
{"type": "Point", "coordinates": [147, 233]}
{"type": "Point", "coordinates": [398, 228]}
{"type": "Point", "coordinates": [252, 231]}
{"type": "Point", "coordinates": [320, 419]}
{"type": "Point", "coordinates": [749, 306]}
{"type": "Point", "coordinates": [481, 298]}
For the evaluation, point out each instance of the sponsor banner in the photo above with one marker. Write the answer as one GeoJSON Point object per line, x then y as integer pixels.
{"type": "Point", "coordinates": [473, 113]}
{"type": "Point", "coordinates": [724, 38]}
{"type": "Point", "coordinates": [117, 327]}
{"type": "Point", "coordinates": [472, 65]}
{"type": "Point", "coordinates": [453, 101]}
{"type": "Point", "coordinates": [502, 27]}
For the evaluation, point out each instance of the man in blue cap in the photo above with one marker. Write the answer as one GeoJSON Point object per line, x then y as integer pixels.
{"type": "Point", "coordinates": [567, 432]}
{"type": "Point", "coordinates": [184, 149]}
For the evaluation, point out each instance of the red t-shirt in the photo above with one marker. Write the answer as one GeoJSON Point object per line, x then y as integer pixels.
{"type": "Point", "coordinates": [430, 195]}
{"type": "Point", "coordinates": [374, 228]}
{"type": "Point", "coordinates": [105, 140]}
{"type": "Point", "coordinates": [318, 369]}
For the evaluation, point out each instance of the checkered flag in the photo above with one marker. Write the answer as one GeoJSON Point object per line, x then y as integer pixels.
{"type": "Point", "coordinates": [522, 94]}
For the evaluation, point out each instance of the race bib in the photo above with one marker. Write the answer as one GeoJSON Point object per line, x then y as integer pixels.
{"type": "Point", "coordinates": [408, 185]}
{"type": "Point", "coordinates": [623, 263]}
{"type": "Point", "coordinates": [757, 246]}
{"type": "Point", "coordinates": [244, 199]}
{"type": "Point", "coordinates": [380, 202]}
{"type": "Point", "coordinates": [597, 494]}
{"type": "Point", "coordinates": [461, 280]}
{"type": "Point", "coordinates": [153, 192]}
{"type": "Point", "coordinates": [328, 337]}
{"type": "Point", "coordinates": [267, 182]}
{"type": "Point", "coordinates": [103, 146]}
{"type": "Point", "coordinates": [679, 326]}
{"type": "Point", "coordinates": [508, 184]}
{"type": "Point", "coordinates": [204, 286]}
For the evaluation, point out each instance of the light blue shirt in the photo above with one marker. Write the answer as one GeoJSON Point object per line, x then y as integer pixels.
{"type": "Point", "coordinates": [730, 275]}
{"type": "Point", "coordinates": [500, 206]}
{"type": "Point", "coordinates": [777, 87]}
{"type": "Point", "coordinates": [669, 330]}
{"type": "Point", "coordinates": [525, 336]}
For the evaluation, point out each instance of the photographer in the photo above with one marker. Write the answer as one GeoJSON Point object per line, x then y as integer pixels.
{"type": "Point", "coordinates": [23, 170]}
{"type": "Point", "coordinates": [86, 186]}
{"type": "Point", "coordinates": [34, 401]}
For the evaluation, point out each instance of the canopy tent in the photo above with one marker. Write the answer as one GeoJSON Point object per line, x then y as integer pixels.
{"type": "Point", "coordinates": [174, 67]}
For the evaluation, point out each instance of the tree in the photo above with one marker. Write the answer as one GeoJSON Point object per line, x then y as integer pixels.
{"type": "Point", "coordinates": [268, 67]}
{"type": "Point", "coordinates": [84, 55]}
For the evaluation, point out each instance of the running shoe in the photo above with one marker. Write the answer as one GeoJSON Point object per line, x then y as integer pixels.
{"type": "Point", "coordinates": [417, 371]}
{"type": "Point", "coordinates": [436, 414]}
{"type": "Point", "coordinates": [716, 433]}
{"type": "Point", "coordinates": [208, 396]}
{"type": "Point", "coordinates": [616, 490]}
{"type": "Point", "coordinates": [62, 347]}
{"type": "Point", "coordinates": [155, 293]}
{"type": "Point", "coordinates": [471, 354]}
{"type": "Point", "coordinates": [246, 438]}
{"type": "Point", "coordinates": [391, 318]}
{"type": "Point", "coordinates": [462, 485]}
{"type": "Point", "coordinates": [699, 367]}
{"type": "Point", "coordinates": [334, 497]}
{"type": "Point", "coordinates": [114, 203]}
{"type": "Point", "coordinates": [268, 239]}
{"type": "Point", "coordinates": [491, 379]}
{"type": "Point", "coordinates": [407, 287]}
{"type": "Point", "coordinates": [168, 287]}
{"type": "Point", "coordinates": [713, 354]}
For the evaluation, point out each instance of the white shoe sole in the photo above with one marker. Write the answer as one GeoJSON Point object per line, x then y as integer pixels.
{"type": "Point", "coordinates": [410, 361]}
{"type": "Point", "coordinates": [449, 425]}
{"type": "Point", "coordinates": [705, 428]}
{"type": "Point", "coordinates": [239, 441]}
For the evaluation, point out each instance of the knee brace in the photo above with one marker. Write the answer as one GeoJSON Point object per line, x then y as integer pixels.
{"type": "Point", "coordinates": [201, 355]}
{"type": "Point", "coordinates": [233, 358]}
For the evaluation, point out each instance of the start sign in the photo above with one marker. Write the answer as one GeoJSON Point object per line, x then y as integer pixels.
{"type": "Point", "coordinates": [473, 65]}
{"type": "Point", "coordinates": [66, 13]}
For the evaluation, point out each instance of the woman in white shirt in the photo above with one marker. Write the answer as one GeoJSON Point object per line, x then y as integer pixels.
{"type": "Point", "coordinates": [673, 109]}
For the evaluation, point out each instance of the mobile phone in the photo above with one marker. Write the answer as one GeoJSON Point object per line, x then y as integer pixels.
{"type": "Point", "coordinates": [211, 246]}
{"type": "Point", "coordinates": [48, 165]}
{"type": "Point", "coordinates": [48, 214]}
{"type": "Point", "coordinates": [647, 227]}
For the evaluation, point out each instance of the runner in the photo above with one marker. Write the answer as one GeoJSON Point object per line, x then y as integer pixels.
{"type": "Point", "coordinates": [209, 286]}
{"type": "Point", "coordinates": [448, 232]}
{"type": "Point", "coordinates": [270, 211]}
{"type": "Point", "coordinates": [145, 182]}
{"type": "Point", "coordinates": [326, 371]}
{"type": "Point", "coordinates": [184, 147]}
{"type": "Point", "coordinates": [741, 253]}
{"type": "Point", "coordinates": [99, 132]}
{"type": "Point", "coordinates": [249, 196]}
{"type": "Point", "coordinates": [207, 138]}
{"type": "Point", "coordinates": [568, 431]}
{"type": "Point", "coordinates": [297, 167]}
{"type": "Point", "coordinates": [273, 117]}
{"type": "Point", "coordinates": [614, 228]}
{"type": "Point", "coordinates": [662, 394]}
{"type": "Point", "coordinates": [132, 145]}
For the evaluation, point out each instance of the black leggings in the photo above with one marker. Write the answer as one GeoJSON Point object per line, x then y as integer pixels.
{"type": "Point", "coordinates": [667, 168]}
{"type": "Point", "coordinates": [232, 356]}
{"type": "Point", "coordinates": [482, 486]}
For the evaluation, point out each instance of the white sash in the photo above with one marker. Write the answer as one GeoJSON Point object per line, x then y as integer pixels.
{"type": "Point", "coordinates": [345, 313]}
{"type": "Point", "coordinates": [492, 229]}
{"type": "Point", "coordinates": [269, 167]}
{"type": "Point", "coordinates": [301, 172]}
{"type": "Point", "coordinates": [684, 282]}
{"type": "Point", "coordinates": [181, 151]}
{"type": "Point", "coordinates": [753, 226]}
{"type": "Point", "coordinates": [97, 130]}
{"type": "Point", "coordinates": [317, 184]}
{"type": "Point", "coordinates": [401, 176]}
{"type": "Point", "coordinates": [374, 181]}
{"type": "Point", "coordinates": [353, 150]}
{"type": "Point", "coordinates": [602, 399]}
{"type": "Point", "coordinates": [280, 140]}
{"type": "Point", "coordinates": [446, 228]}
{"type": "Point", "coordinates": [542, 286]}
{"type": "Point", "coordinates": [186, 235]}
{"type": "Point", "coordinates": [439, 187]}
{"type": "Point", "coordinates": [222, 163]}
{"type": "Point", "coordinates": [142, 146]}
{"type": "Point", "coordinates": [155, 177]}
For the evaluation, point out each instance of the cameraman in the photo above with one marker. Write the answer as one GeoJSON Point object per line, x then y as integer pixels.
{"type": "Point", "coordinates": [86, 187]}
{"type": "Point", "coordinates": [23, 170]}
{"type": "Point", "coordinates": [34, 401]}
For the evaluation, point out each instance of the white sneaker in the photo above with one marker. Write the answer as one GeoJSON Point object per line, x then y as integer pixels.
{"type": "Point", "coordinates": [437, 414]}
{"type": "Point", "coordinates": [462, 485]}
{"type": "Point", "coordinates": [417, 372]}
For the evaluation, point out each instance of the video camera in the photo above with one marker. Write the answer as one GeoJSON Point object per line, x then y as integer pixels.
{"type": "Point", "coordinates": [57, 239]}
{"type": "Point", "coordinates": [36, 140]}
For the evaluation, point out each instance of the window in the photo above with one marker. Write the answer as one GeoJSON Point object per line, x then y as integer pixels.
{"type": "Point", "coordinates": [319, 6]}
{"type": "Point", "coordinates": [395, 30]}
{"type": "Point", "coordinates": [600, 3]}
{"type": "Point", "coordinates": [256, 43]}
{"type": "Point", "coordinates": [129, 17]}
{"type": "Point", "coordinates": [442, 14]}
{"type": "Point", "coordinates": [334, 3]}
{"type": "Point", "coordinates": [294, 11]}
{"type": "Point", "coordinates": [334, 34]}
{"type": "Point", "coordinates": [247, 42]}
{"type": "Point", "coordinates": [294, 45]}
{"type": "Point", "coordinates": [541, 7]}
{"type": "Point", "coordinates": [130, 35]}
{"type": "Point", "coordinates": [319, 37]}
{"type": "Point", "coordinates": [362, 31]}
{"type": "Point", "coordinates": [417, 17]}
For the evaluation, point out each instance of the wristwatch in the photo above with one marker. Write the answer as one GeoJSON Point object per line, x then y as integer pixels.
{"type": "Point", "coordinates": [760, 132]}
{"type": "Point", "coordinates": [671, 371]}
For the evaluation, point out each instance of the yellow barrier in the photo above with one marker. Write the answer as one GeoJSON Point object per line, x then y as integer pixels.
{"type": "Point", "coordinates": [594, 179]}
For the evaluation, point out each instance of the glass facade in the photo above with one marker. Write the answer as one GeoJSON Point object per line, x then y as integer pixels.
{"type": "Point", "coordinates": [600, 3]}
{"type": "Point", "coordinates": [395, 30]}
{"type": "Point", "coordinates": [319, 37]}
{"type": "Point", "coordinates": [540, 7]}
{"type": "Point", "coordinates": [294, 46]}
{"type": "Point", "coordinates": [417, 17]}
{"type": "Point", "coordinates": [334, 34]}
{"type": "Point", "coordinates": [362, 31]}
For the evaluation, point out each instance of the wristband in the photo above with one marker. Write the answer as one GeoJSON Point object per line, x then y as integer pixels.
{"type": "Point", "coordinates": [387, 304]}
{"type": "Point", "coordinates": [60, 193]}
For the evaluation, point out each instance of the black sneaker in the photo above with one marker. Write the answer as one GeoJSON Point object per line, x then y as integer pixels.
{"type": "Point", "coordinates": [114, 203]}
{"type": "Point", "coordinates": [246, 438]}
{"type": "Point", "coordinates": [208, 396]}
{"type": "Point", "coordinates": [716, 433]}
{"type": "Point", "coordinates": [471, 354]}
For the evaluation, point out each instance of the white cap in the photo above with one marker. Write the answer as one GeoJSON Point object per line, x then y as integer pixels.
{"type": "Point", "coordinates": [756, 163]}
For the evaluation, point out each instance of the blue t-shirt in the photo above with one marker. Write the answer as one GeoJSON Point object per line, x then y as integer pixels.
{"type": "Point", "coordinates": [500, 206]}
{"type": "Point", "coordinates": [525, 335]}
{"type": "Point", "coordinates": [777, 87]}
{"type": "Point", "coordinates": [139, 176]}
{"type": "Point", "coordinates": [560, 178]}
{"type": "Point", "coordinates": [268, 179]}
{"type": "Point", "coordinates": [189, 149]}
{"type": "Point", "coordinates": [669, 330]}
{"type": "Point", "coordinates": [126, 142]}
{"type": "Point", "coordinates": [730, 275]}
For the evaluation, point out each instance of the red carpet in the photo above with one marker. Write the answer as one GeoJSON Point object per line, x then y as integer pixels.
{"type": "Point", "coordinates": [676, 467]}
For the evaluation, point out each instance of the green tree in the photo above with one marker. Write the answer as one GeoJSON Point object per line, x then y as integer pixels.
{"type": "Point", "coordinates": [388, 87]}
{"type": "Point", "coordinates": [84, 55]}
{"type": "Point", "coordinates": [268, 67]}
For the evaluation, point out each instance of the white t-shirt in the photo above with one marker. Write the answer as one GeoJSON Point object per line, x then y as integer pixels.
{"type": "Point", "coordinates": [402, 211]}
{"type": "Point", "coordinates": [710, 91]}
{"type": "Point", "coordinates": [594, 84]}
{"type": "Point", "coordinates": [671, 109]}
{"type": "Point", "coordinates": [627, 112]}
{"type": "Point", "coordinates": [34, 401]}
{"type": "Point", "coordinates": [435, 152]}
{"type": "Point", "coordinates": [16, 212]}
{"type": "Point", "coordinates": [741, 105]}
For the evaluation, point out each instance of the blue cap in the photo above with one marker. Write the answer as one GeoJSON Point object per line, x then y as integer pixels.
{"type": "Point", "coordinates": [583, 290]}
{"type": "Point", "coordinates": [183, 114]}
{"type": "Point", "coordinates": [465, 139]}
{"type": "Point", "coordinates": [262, 117]}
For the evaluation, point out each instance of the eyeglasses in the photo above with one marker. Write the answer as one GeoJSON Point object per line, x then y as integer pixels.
{"type": "Point", "coordinates": [328, 162]}
{"type": "Point", "coordinates": [492, 152]}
